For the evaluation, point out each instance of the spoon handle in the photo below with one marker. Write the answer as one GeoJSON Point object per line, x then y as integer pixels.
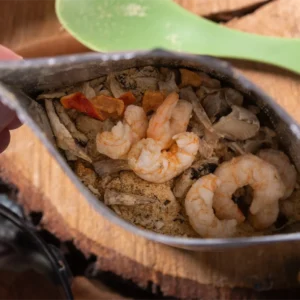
{"type": "Point", "coordinates": [281, 52]}
{"type": "Point", "coordinates": [200, 36]}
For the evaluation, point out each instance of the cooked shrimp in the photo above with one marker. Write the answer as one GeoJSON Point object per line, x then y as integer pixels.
{"type": "Point", "coordinates": [117, 142]}
{"type": "Point", "coordinates": [199, 208]}
{"type": "Point", "coordinates": [136, 118]}
{"type": "Point", "coordinates": [150, 163]}
{"type": "Point", "coordinates": [172, 117]}
{"type": "Point", "coordinates": [281, 162]}
{"type": "Point", "coordinates": [244, 170]}
{"type": "Point", "coordinates": [266, 217]}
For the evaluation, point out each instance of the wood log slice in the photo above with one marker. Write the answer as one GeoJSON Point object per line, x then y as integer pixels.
{"type": "Point", "coordinates": [220, 8]}
{"type": "Point", "coordinates": [207, 275]}
{"type": "Point", "coordinates": [33, 30]}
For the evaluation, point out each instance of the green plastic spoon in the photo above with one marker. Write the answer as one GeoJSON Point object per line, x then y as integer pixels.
{"type": "Point", "coordinates": [120, 25]}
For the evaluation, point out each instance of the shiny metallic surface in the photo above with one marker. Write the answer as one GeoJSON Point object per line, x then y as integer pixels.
{"type": "Point", "coordinates": [23, 80]}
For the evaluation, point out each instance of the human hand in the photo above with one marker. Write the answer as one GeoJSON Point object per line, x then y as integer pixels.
{"type": "Point", "coordinates": [8, 118]}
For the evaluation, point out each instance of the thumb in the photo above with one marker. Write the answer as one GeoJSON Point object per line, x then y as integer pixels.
{"type": "Point", "coordinates": [7, 54]}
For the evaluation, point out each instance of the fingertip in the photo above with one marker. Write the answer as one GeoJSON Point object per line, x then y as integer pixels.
{"type": "Point", "coordinates": [6, 116]}
{"type": "Point", "coordinates": [7, 54]}
{"type": "Point", "coordinates": [4, 140]}
{"type": "Point", "coordinates": [14, 124]}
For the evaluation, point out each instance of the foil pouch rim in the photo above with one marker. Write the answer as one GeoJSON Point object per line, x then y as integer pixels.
{"type": "Point", "coordinates": [11, 96]}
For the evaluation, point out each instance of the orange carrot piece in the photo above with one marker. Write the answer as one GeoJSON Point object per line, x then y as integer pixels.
{"type": "Point", "coordinates": [79, 102]}
{"type": "Point", "coordinates": [152, 100]}
{"type": "Point", "coordinates": [112, 106]}
{"type": "Point", "coordinates": [128, 98]}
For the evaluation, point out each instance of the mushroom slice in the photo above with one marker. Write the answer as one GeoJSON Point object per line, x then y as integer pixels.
{"type": "Point", "coordinates": [188, 177]}
{"type": "Point", "coordinates": [169, 85]}
{"type": "Point", "coordinates": [189, 95]}
{"type": "Point", "coordinates": [115, 87]}
{"type": "Point", "coordinates": [134, 80]}
{"type": "Point", "coordinates": [64, 138]}
{"type": "Point", "coordinates": [264, 138]}
{"type": "Point", "coordinates": [73, 114]}
{"type": "Point", "coordinates": [110, 166]}
{"type": "Point", "coordinates": [233, 97]}
{"type": "Point", "coordinates": [146, 83]}
{"type": "Point", "coordinates": [112, 197]}
{"type": "Point", "coordinates": [41, 119]}
{"type": "Point", "coordinates": [104, 92]}
{"type": "Point", "coordinates": [125, 79]}
{"type": "Point", "coordinates": [203, 91]}
{"type": "Point", "coordinates": [53, 95]}
{"type": "Point", "coordinates": [207, 149]}
{"type": "Point", "coordinates": [97, 83]}
{"type": "Point", "coordinates": [236, 147]}
{"type": "Point", "coordinates": [252, 146]}
{"type": "Point", "coordinates": [91, 127]}
{"type": "Point", "coordinates": [87, 90]}
{"type": "Point", "coordinates": [146, 79]}
{"type": "Point", "coordinates": [121, 82]}
{"type": "Point", "coordinates": [196, 127]}
{"type": "Point", "coordinates": [240, 124]}
{"type": "Point", "coordinates": [215, 105]}
{"type": "Point", "coordinates": [149, 71]}
{"type": "Point", "coordinates": [66, 120]}
{"type": "Point", "coordinates": [70, 156]}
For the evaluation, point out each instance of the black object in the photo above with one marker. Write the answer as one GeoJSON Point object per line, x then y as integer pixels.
{"type": "Point", "coordinates": [29, 268]}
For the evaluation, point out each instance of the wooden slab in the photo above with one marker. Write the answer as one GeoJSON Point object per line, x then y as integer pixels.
{"type": "Point", "coordinates": [213, 7]}
{"type": "Point", "coordinates": [20, 32]}
{"type": "Point", "coordinates": [278, 18]}
{"type": "Point", "coordinates": [226, 275]}
{"type": "Point", "coordinates": [24, 21]}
